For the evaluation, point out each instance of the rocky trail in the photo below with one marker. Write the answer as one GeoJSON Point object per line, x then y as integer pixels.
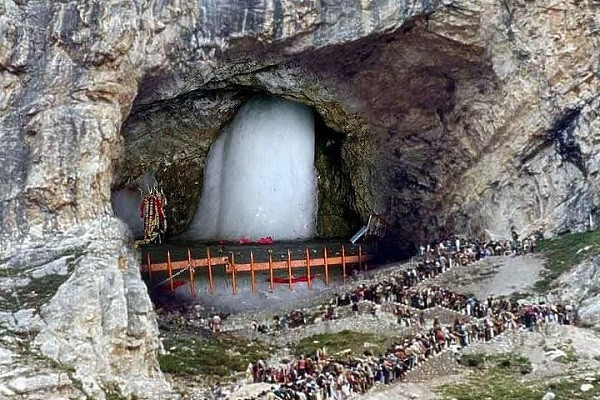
{"type": "Point", "coordinates": [557, 351]}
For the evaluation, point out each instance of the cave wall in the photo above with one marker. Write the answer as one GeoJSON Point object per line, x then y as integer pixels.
{"type": "Point", "coordinates": [172, 138]}
{"type": "Point", "coordinates": [460, 116]}
{"type": "Point", "coordinates": [338, 214]}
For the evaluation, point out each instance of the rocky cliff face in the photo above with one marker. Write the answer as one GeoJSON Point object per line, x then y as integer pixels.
{"type": "Point", "coordinates": [580, 286]}
{"type": "Point", "coordinates": [464, 116]}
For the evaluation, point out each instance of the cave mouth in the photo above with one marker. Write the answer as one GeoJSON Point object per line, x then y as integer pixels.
{"type": "Point", "coordinates": [261, 166]}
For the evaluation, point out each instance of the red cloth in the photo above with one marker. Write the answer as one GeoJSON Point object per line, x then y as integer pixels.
{"type": "Point", "coordinates": [439, 335]}
{"type": "Point", "coordinates": [265, 240]}
{"type": "Point", "coordinates": [176, 284]}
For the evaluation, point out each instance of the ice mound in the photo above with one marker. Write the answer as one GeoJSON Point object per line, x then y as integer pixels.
{"type": "Point", "coordinates": [260, 178]}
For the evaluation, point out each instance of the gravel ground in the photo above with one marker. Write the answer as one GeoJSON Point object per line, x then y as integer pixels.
{"type": "Point", "coordinates": [405, 391]}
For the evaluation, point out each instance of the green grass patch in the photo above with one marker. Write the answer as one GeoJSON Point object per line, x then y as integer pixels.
{"type": "Point", "coordinates": [496, 377]}
{"type": "Point", "coordinates": [356, 342]}
{"type": "Point", "coordinates": [39, 290]}
{"type": "Point", "coordinates": [504, 377]}
{"type": "Point", "coordinates": [564, 252]}
{"type": "Point", "coordinates": [492, 386]}
{"type": "Point", "coordinates": [473, 360]}
{"type": "Point", "coordinates": [508, 362]}
{"type": "Point", "coordinates": [570, 388]}
{"type": "Point", "coordinates": [215, 358]}
{"type": "Point", "coordinates": [34, 294]}
{"type": "Point", "coordinates": [45, 287]}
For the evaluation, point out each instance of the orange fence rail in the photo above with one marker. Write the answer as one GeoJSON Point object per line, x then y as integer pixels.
{"type": "Point", "coordinates": [174, 268]}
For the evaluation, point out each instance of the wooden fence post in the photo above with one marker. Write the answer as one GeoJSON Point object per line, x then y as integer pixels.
{"type": "Point", "coordinates": [234, 283]}
{"type": "Point", "coordinates": [326, 265]}
{"type": "Point", "coordinates": [211, 286]}
{"type": "Point", "coordinates": [170, 270]}
{"type": "Point", "coordinates": [360, 257]}
{"type": "Point", "coordinates": [252, 282]}
{"type": "Point", "coordinates": [344, 262]}
{"type": "Point", "coordinates": [191, 273]}
{"type": "Point", "coordinates": [193, 276]}
{"type": "Point", "coordinates": [271, 271]}
{"type": "Point", "coordinates": [289, 265]}
{"type": "Point", "coordinates": [307, 267]}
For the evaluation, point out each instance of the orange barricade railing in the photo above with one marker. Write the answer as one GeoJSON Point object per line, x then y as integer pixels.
{"type": "Point", "coordinates": [174, 268]}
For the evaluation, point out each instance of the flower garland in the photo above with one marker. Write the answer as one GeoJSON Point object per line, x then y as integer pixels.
{"type": "Point", "coordinates": [152, 212]}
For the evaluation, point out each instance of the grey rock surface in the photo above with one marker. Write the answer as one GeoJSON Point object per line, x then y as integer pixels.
{"type": "Point", "coordinates": [581, 286]}
{"type": "Point", "coordinates": [23, 384]}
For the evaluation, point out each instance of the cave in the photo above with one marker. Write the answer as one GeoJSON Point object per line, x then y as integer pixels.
{"type": "Point", "coordinates": [376, 102]}
{"type": "Point", "coordinates": [269, 166]}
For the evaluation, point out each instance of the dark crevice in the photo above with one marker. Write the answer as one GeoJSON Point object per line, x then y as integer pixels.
{"type": "Point", "coordinates": [562, 134]}
{"type": "Point", "coordinates": [531, 152]}
{"type": "Point", "coordinates": [508, 19]}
